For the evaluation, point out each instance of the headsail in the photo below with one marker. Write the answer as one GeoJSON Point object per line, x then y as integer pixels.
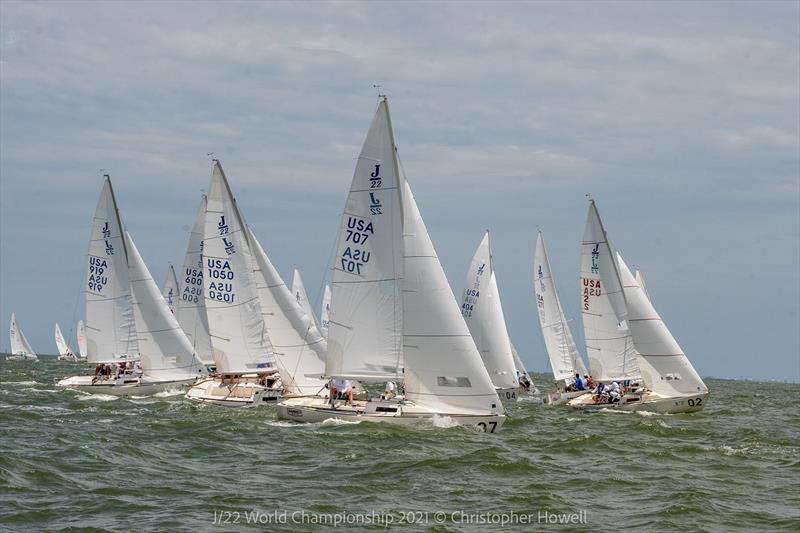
{"type": "Point", "coordinates": [366, 319]}
{"type": "Point", "coordinates": [19, 344]}
{"type": "Point", "coordinates": [297, 344]}
{"type": "Point", "coordinates": [299, 292]}
{"type": "Point", "coordinates": [110, 328]}
{"type": "Point", "coordinates": [483, 313]}
{"type": "Point", "coordinates": [565, 359]}
{"type": "Point", "coordinates": [61, 344]}
{"type": "Point", "coordinates": [665, 368]}
{"type": "Point", "coordinates": [608, 342]}
{"type": "Point", "coordinates": [325, 311]}
{"type": "Point", "coordinates": [238, 334]}
{"type": "Point", "coordinates": [165, 352]}
{"type": "Point", "coordinates": [171, 289]}
{"type": "Point", "coordinates": [81, 334]}
{"type": "Point", "coordinates": [191, 309]}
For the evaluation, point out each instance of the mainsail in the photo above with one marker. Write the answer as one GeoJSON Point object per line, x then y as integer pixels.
{"type": "Point", "coordinates": [170, 291]}
{"type": "Point", "coordinates": [110, 327]}
{"type": "Point", "coordinates": [366, 318]}
{"type": "Point", "coordinates": [565, 359]}
{"type": "Point", "coordinates": [483, 313]}
{"type": "Point", "coordinates": [608, 342]}
{"type": "Point", "coordinates": [238, 334]}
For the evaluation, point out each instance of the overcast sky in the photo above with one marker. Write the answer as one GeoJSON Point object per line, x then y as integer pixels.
{"type": "Point", "coordinates": [680, 118]}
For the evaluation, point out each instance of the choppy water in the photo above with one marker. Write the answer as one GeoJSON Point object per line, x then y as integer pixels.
{"type": "Point", "coordinates": [72, 460]}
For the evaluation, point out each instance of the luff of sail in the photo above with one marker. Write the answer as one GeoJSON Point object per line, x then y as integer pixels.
{"type": "Point", "coordinates": [365, 329]}
{"type": "Point", "coordinates": [608, 342]}
{"type": "Point", "coordinates": [565, 359]}
{"type": "Point", "coordinates": [170, 291]}
{"type": "Point", "coordinates": [665, 368]}
{"type": "Point", "coordinates": [443, 369]}
{"type": "Point", "coordinates": [110, 327]}
{"type": "Point", "coordinates": [165, 352]}
{"type": "Point", "coordinates": [191, 308]}
{"type": "Point", "coordinates": [238, 334]}
{"type": "Point", "coordinates": [483, 313]}
{"type": "Point", "coordinates": [297, 344]}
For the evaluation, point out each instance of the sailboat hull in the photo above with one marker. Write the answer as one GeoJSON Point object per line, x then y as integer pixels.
{"type": "Point", "coordinates": [645, 402]}
{"type": "Point", "coordinates": [317, 409]}
{"type": "Point", "coordinates": [242, 394]}
{"type": "Point", "coordinates": [561, 398]}
{"type": "Point", "coordinates": [22, 357]}
{"type": "Point", "coordinates": [124, 386]}
{"type": "Point", "coordinates": [510, 394]}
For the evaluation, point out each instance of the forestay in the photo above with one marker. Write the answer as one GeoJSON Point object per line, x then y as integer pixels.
{"type": "Point", "coordinates": [165, 352]}
{"type": "Point", "coordinates": [483, 313]}
{"type": "Point", "coordinates": [171, 289]}
{"type": "Point", "coordinates": [365, 329]}
{"type": "Point", "coordinates": [110, 327]}
{"type": "Point", "coordinates": [565, 359]}
{"type": "Point", "coordinates": [236, 327]}
{"type": "Point", "coordinates": [608, 343]}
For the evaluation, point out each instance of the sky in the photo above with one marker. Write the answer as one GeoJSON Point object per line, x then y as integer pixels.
{"type": "Point", "coordinates": [681, 119]}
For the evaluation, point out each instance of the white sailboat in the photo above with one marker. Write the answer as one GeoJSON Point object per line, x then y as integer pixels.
{"type": "Point", "coordinates": [671, 383]}
{"type": "Point", "coordinates": [167, 359]}
{"type": "Point", "coordinates": [611, 351]}
{"type": "Point", "coordinates": [81, 334]}
{"type": "Point", "coordinates": [243, 355]}
{"type": "Point", "coordinates": [525, 380]}
{"type": "Point", "coordinates": [299, 291]}
{"type": "Point", "coordinates": [20, 347]}
{"type": "Point", "coordinates": [170, 291]}
{"type": "Point", "coordinates": [565, 359]}
{"type": "Point", "coordinates": [483, 313]}
{"type": "Point", "coordinates": [325, 311]}
{"type": "Point", "coordinates": [191, 308]}
{"type": "Point", "coordinates": [392, 311]}
{"type": "Point", "coordinates": [65, 353]}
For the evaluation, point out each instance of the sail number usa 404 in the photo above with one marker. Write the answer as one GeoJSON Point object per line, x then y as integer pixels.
{"type": "Point", "coordinates": [220, 281]}
{"type": "Point", "coordinates": [357, 233]}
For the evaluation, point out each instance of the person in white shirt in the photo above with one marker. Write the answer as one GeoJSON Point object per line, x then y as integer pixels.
{"type": "Point", "coordinates": [613, 392]}
{"type": "Point", "coordinates": [390, 391]}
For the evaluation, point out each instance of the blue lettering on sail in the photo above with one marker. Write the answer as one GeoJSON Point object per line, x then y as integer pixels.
{"type": "Point", "coordinates": [480, 269]}
{"type": "Point", "coordinates": [228, 246]}
{"type": "Point", "coordinates": [109, 249]}
{"type": "Point", "coordinates": [222, 226]}
{"type": "Point", "coordinates": [375, 206]}
{"type": "Point", "coordinates": [106, 231]}
{"type": "Point", "coordinates": [375, 178]}
{"type": "Point", "coordinates": [96, 278]}
{"type": "Point", "coordinates": [220, 276]}
{"type": "Point", "coordinates": [541, 277]}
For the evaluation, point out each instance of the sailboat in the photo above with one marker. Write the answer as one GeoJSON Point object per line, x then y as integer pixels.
{"type": "Point", "coordinates": [393, 314]}
{"type": "Point", "coordinates": [670, 382]}
{"type": "Point", "coordinates": [325, 311]}
{"type": "Point", "coordinates": [20, 347]}
{"type": "Point", "coordinates": [565, 359]}
{"type": "Point", "coordinates": [170, 291]}
{"type": "Point", "coordinates": [81, 334]}
{"type": "Point", "coordinates": [65, 353]}
{"type": "Point", "coordinates": [128, 318]}
{"type": "Point", "coordinates": [245, 373]}
{"type": "Point", "coordinates": [299, 291]}
{"type": "Point", "coordinates": [191, 307]}
{"type": "Point", "coordinates": [483, 313]}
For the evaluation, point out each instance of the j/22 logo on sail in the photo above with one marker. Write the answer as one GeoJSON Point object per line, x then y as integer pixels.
{"type": "Point", "coordinates": [375, 204]}
{"type": "Point", "coordinates": [375, 179]}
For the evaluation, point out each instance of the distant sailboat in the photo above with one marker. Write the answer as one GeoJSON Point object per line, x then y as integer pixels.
{"type": "Point", "coordinates": [65, 353]}
{"type": "Point", "coordinates": [565, 359]}
{"type": "Point", "coordinates": [393, 313]}
{"type": "Point", "coordinates": [325, 311]}
{"type": "Point", "coordinates": [671, 383]}
{"type": "Point", "coordinates": [20, 347]}
{"type": "Point", "coordinates": [81, 334]}
{"type": "Point", "coordinates": [243, 354]}
{"type": "Point", "coordinates": [170, 291]}
{"type": "Point", "coordinates": [483, 313]}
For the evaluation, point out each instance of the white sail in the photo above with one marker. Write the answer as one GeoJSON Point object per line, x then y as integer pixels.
{"type": "Point", "coordinates": [443, 369]}
{"type": "Point", "coordinates": [365, 330]}
{"type": "Point", "coordinates": [520, 366]}
{"type": "Point", "coordinates": [81, 334]}
{"type": "Point", "coordinates": [640, 281]}
{"type": "Point", "coordinates": [483, 313]}
{"type": "Point", "coordinates": [664, 367]}
{"type": "Point", "coordinates": [61, 344]}
{"type": "Point", "coordinates": [608, 342]}
{"type": "Point", "coordinates": [237, 330]}
{"type": "Point", "coordinates": [111, 331]}
{"type": "Point", "coordinates": [191, 309]}
{"type": "Point", "coordinates": [297, 344]}
{"type": "Point", "coordinates": [565, 359]}
{"type": "Point", "coordinates": [170, 291]}
{"type": "Point", "coordinates": [299, 292]}
{"type": "Point", "coordinates": [325, 311]}
{"type": "Point", "coordinates": [19, 344]}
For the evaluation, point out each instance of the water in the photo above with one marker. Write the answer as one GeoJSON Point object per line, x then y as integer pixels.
{"type": "Point", "coordinates": [72, 460]}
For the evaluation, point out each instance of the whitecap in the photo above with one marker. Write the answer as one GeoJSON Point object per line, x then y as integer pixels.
{"type": "Point", "coordinates": [19, 383]}
{"type": "Point", "coordinates": [283, 424]}
{"type": "Point", "coordinates": [339, 422]}
{"type": "Point", "coordinates": [443, 421]}
{"type": "Point", "coordinates": [99, 397]}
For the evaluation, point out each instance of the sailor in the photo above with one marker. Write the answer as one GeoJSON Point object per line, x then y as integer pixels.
{"type": "Point", "coordinates": [579, 383]}
{"type": "Point", "coordinates": [588, 381]}
{"type": "Point", "coordinates": [613, 392]}
{"type": "Point", "coordinates": [390, 390]}
{"type": "Point", "coordinates": [524, 380]}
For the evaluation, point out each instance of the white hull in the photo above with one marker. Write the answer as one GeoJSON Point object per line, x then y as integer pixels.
{"type": "Point", "coordinates": [646, 401]}
{"type": "Point", "coordinates": [22, 357]}
{"type": "Point", "coordinates": [560, 398]}
{"type": "Point", "coordinates": [124, 386]}
{"type": "Point", "coordinates": [244, 393]}
{"type": "Point", "coordinates": [317, 409]}
{"type": "Point", "coordinates": [510, 394]}
{"type": "Point", "coordinates": [67, 358]}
